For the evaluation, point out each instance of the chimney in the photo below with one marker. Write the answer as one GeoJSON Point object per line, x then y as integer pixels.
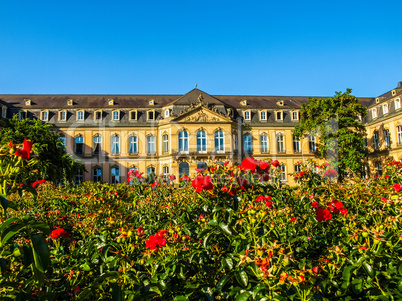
{"type": "Point", "coordinates": [400, 85]}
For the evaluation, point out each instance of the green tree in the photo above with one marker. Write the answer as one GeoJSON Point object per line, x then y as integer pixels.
{"type": "Point", "coordinates": [55, 164]}
{"type": "Point", "coordinates": [336, 122]}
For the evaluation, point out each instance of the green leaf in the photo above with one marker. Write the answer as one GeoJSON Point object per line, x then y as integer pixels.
{"type": "Point", "coordinates": [180, 298]}
{"type": "Point", "coordinates": [10, 232]}
{"type": "Point", "coordinates": [85, 267]}
{"type": "Point", "coordinates": [243, 296]}
{"type": "Point", "coordinates": [205, 240]}
{"type": "Point", "coordinates": [225, 228]}
{"type": "Point", "coordinates": [28, 255]}
{"type": "Point", "coordinates": [222, 282]}
{"type": "Point", "coordinates": [369, 269]}
{"type": "Point", "coordinates": [357, 285]}
{"type": "Point", "coordinates": [227, 263]}
{"type": "Point", "coordinates": [347, 272]}
{"type": "Point", "coordinates": [3, 265]}
{"type": "Point", "coordinates": [213, 222]}
{"type": "Point", "coordinates": [242, 278]}
{"type": "Point", "coordinates": [4, 201]}
{"type": "Point", "coordinates": [5, 224]}
{"type": "Point", "coordinates": [86, 293]}
{"type": "Point", "coordinates": [41, 252]}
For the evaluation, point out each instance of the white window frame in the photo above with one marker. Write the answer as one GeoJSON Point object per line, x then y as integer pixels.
{"type": "Point", "coordinates": [44, 115]}
{"type": "Point", "coordinates": [376, 140]}
{"type": "Point", "coordinates": [201, 142]}
{"type": "Point", "coordinates": [297, 115]}
{"type": "Point", "coordinates": [220, 146]}
{"type": "Point", "coordinates": [183, 142]}
{"type": "Point", "coordinates": [281, 115]}
{"type": "Point", "coordinates": [151, 145]}
{"type": "Point", "coordinates": [247, 115]}
{"type": "Point", "coordinates": [22, 115]}
{"type": "Point", "coordinates": [165, 143]}
{"type": "Point", "coordinates": [78, 115]}
{"type": "Point", "coordinates": [264, 145]}
{"type": "Point", "coordinates": [153, 115]}
{"type": "Point", "coordinates": [399, 134]}
{"type": "Point", "coordinates": [96, 115]}
{"type": "Point", "coordinates": [116, 118]}
{"type": "Point", "coordinates": [296, 145]}
{"type": "Point", "coordinates": [97, 140]}
{"type": "Point", "coordinates": [263, 115]}
{"type": "Point", "coordinates": [61, 115]}
{"type": "Point", "coordinates": [397, 103]}
{"type": "Point", "coordinates": [133, 145]}
{"type": "Point", "coordinates": [81, 138]}
{"type": "Point", "coordinates": [280, 143]}
{"type": "Point", "coordinates": [167, 113]}
{"type": "Point", "coordinates": [282, 168]}
{"type": "Point", "coordinates": [312, 144]}
{"type": "Point", "coordinates": [115, 145]}
{"type": "Point", "coordinates": [387, 138]}
{"type": "Point", "coordinates": [374, 113]}
{"type": "Point", "coordinates": [116, 177]}
{"type": "Point", "coordinates": [385, 109]}
{"type": "Point", "coordinates": [4, 112]}
{"type": "Point", "coordinates": [249, 147]}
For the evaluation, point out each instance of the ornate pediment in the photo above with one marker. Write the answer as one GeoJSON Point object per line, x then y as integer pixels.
{"type": "Point", "coordinates": [202, 115]}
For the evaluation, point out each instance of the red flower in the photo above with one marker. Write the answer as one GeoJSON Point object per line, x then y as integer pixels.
{"type": "Point", "coordinates": [59, 233]}
{"type": "Point", "coordinates": [264, 166]}
{"type": "Point", "coordinates": [249, 164]}
{"type": "Point", "coordinates": [263, 198]}
{"type": "Point", "coordinates": [140, 231]}
{"type": "Point", "coordinates": [185, 178]}
{"type": "Point", "coordinates": [76, 289]}
{"type": "Point", "coordinates": [299, 175]}
{"type": "Point", "coordinates": [315, 269]}
{"type": "Point", "coordinates": [331, 173]}
{"type": "Point", "coordinates": [293, 220]}
{"type": "Point", "coordinates": [343, 211]}
{"type": "Point", "coordinates": [275, 163]}
{"type": "Point", "coordinates": [397, 187]}
{"type": "Point", "coordinates": [156, 241]}
{"type": "Point", "coordinates": [10, 144]}
{"type": "Point", "coordinates": [314, 204]}
{"type": "Point", "coordinates": [26, 149]}
{"type": "Point", "coordinates": [386, 176]}
{"type": "Point", "coordinates": [225, 163]}
{"type": "Point", "coordinates": [202, 183]}
{"type": "Point", "coordinates": [37, 183]}
{"type": "Point", "coordinates": [323, 215]}
{"type": "Point", "coordinates": [172, 177]}
{"type": "Point", "coordinates": [199, 169]}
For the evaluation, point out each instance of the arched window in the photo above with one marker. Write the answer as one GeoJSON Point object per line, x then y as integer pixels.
{"type": "Point", "coordinates": [387, 138]}
{"type": "Point", "coordinates": [132, 145]}
{"type": "Point", "coordinates": [201, 141]}
{"type": "Point", "coordinates": [115, 145]}
{"type": "Point", "coordinates": [183, 141]}
{"type": "Point", "coordinates": [399, 134]}
{"type": "Point", "coordinates": [115, 175]}
{"type": "Point", "coordinates": [264, 143]}
{"type": "Point", "coordinates": [248, 144]}
{"type": "Point", "coordinates": [165, 170]}
{"type": "Point", "coordinates": [150, 170]}
{"type": "Point", "coordinates": [96, 174]}
{"type": "Point", "coordinates": [280, 143]}
{"type": "Point", "coordinates": [219, 142]}
{"type": "Point", "coordinates": [97, 145]}
{"type": "Point", "coordinates": [202, 165]}
{"type": "Point", "coordinates": [184, 169]}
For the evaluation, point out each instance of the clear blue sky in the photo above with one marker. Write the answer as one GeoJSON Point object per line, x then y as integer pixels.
{"type": "Point", "coordinates": [306, 48]}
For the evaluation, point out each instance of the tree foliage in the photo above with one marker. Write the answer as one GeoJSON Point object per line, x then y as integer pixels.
{"type": "Point", "coordinates": [55, 163]}
{"type": "Point", "coordinates": [336, 121]}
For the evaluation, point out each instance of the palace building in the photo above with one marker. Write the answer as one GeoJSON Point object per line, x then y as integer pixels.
{"type": "Point", "coordinates": [174, 134]}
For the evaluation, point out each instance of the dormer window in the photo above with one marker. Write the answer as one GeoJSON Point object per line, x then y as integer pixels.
{"type": "Point", "coordinates": [385, 108]}
{"type": "Point", "coordinates": [167, 113]}
{"type": "Point", "coordinates": [98, 115]}
{"type": "Point", "coordinates": [4, 112]}
{"type": "Point", "coordinates": [70, 102]}
{"type": "Point", "coordinates": [44, 115]}
{"type": "Point", "coordinates": [295, 115]}
{"type": "Point", "coordinates": [243, 102]}
{"type": "Point", "coordinates": [151, 102]}
{"type": "Point", "coordinates": [280, 103]}
{"type": "Point", "coordinates": [279, 115]}
{"type": "Point", "coordinates": [27, 102]}
{"type": "Point", "coordinates": [22, 115]}
{"type": "Point", "coordinates": [151, 115]}
{"type": "Point", "coordinates": [133, 115]}
{"type": "Point", "coordinates": [397, 104]}
{"type": "Point", "coordinates": [374, 113]}
{"type": "Point", "coordinates": [247, 115]}
{"type": "Point", "coordinates": [263, 115]}
{"type": "Point", "coordinates": [116, 115]}
{"type": "Point", "coordinates": [63, 115]}
{"type": "Point", "coordinates": [111, 102]}
{"type": "Point", "coordinates": [80, 115]}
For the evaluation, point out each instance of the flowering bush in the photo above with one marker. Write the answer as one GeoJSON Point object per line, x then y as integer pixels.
{"type": "Point", "coordinates": [230, 235]}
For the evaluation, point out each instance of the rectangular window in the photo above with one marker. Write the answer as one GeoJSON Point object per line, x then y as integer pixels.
{"type": "Point", "coordinates": [263, 115]}
{"type": "Point", "coordinates": [385, 108]}
{"type": "Point", "coordinates": [115, 145]}
{"type": "Point", "coordinates": [283, 172]}
{"type": "Point", "coordinates": [133, 115]}
{"type": "Point", "coordinates": [264, 144]}
{"type": "Point", "coordinates": [280, 143]}
{"type": "Point", "coordinates": [62, 139]}
{"type": "Point", "coordinates": [80, 115]}
{"type": "Point", "coordinates": [295, 115]}
{"type": "Point", "coordinates": [97, 145]}
{"type": "Point", "coordinates": [22, 115]}
{"type": "Point", "coordinates": [378, 167]}
{"type": "Point", "coordinates": [279, 116]}
{"type": "Point", "coordinates": [399, 134]}
{"type": "Point", "coordinates": [387, 139]}
{"type": "Point", "coordinates": [298, 168]}
{"type": "Point", "coordinates": [115, 175]}
{"type": "Point", "coordinates": [79, 145]}
{"type": "Point", "coordinates": [247, 115]}
{"type": "Point", "coordinates": [98, 115]}
{"type": "Point", "coordinates": [150, 145]}
{"type": "Point", "coordinates": [165, 144]}
{"type": "Point", "coordinates": [311, 144]}
{"type": "Point", "coordinates": [248, 144]}
{"type": "Point", "coordinates": [132, 149]}
{"type": "Point", "coordinates": [4, 112]}
{"type": "Point", "coordinates": [44, 116]}
{"type": "Point", "coordinates": [296, 145]}
{"type": "Point", "coordinates": [62, 116]}
{"type": "Point", "coordinates": [97, 174]}
{"type": "Point", "coordinates": [151, 115]}
{"type": "Point", "coordinates": [365, 171]}
{"type": "Point", "coordinates": [116, 115]}
{"type": "Point", "coordinates": [79, 178]}
{"type": "Point", "coordinates": [376, 141]}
